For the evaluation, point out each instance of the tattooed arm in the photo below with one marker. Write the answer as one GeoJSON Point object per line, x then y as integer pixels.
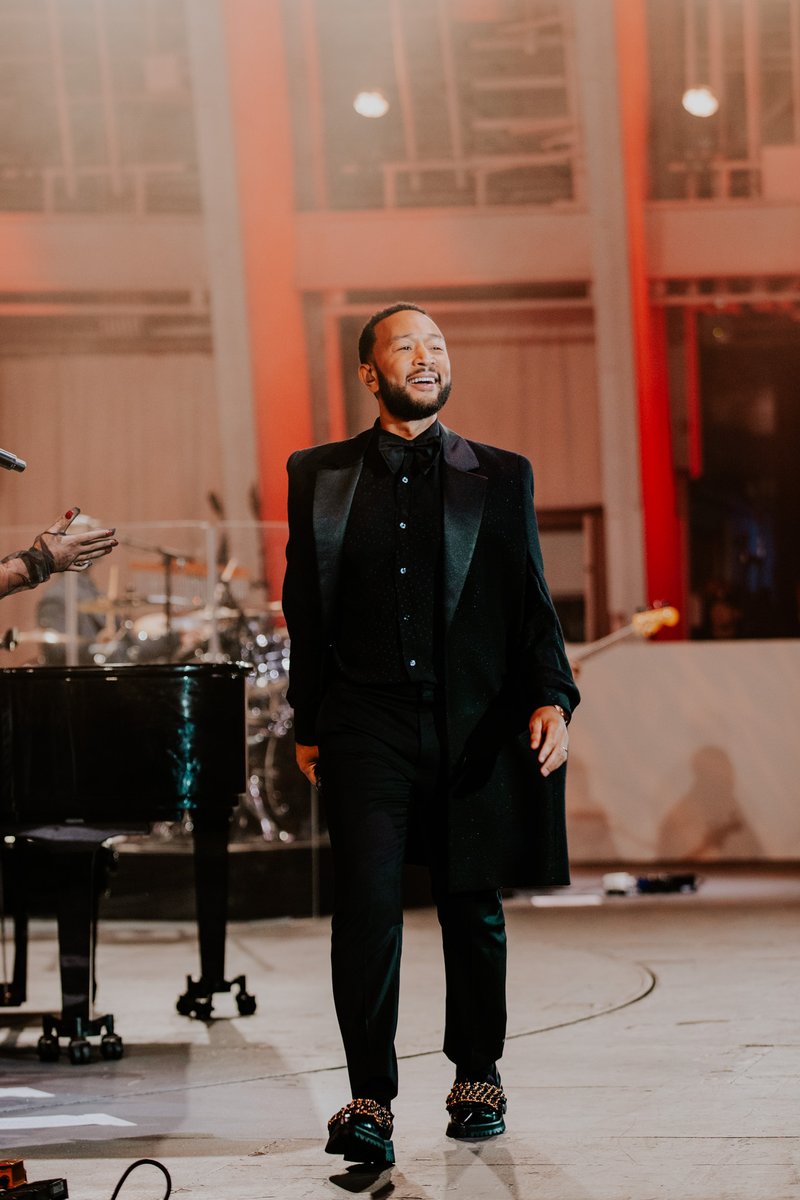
{"type": "Point", "coordinates": [52, 551]}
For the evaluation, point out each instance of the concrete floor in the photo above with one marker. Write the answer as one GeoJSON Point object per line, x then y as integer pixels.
{"type": "Point", "coordinates": [654, 1051]}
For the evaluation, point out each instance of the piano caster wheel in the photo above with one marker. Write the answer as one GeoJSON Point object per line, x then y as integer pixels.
{"type": "Point", "coordinates": [48, 1049]}
{"type": "Point", "coordinates": [111, 1046]}
{"type": "Point", "coordinates": [80, 1052]}
{"type": "Point", "coordinates": [246, 1004]}
{"type": "Point", "coordinates": [194, 1006]}
{"type": "Point", "coordinates": [198, 999]}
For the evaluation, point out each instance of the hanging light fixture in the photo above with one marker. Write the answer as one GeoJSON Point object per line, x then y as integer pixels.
{"type": "Point", "coordinates": [700, 101]}
{"type": "Point", "coordinates": [373, 103]}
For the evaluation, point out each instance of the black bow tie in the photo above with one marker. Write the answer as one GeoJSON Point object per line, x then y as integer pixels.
{"type": "Point", "coordinates": [417, 455]}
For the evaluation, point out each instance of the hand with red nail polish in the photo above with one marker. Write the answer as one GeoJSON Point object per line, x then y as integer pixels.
{"type": "Point", "coordinates": [76, 551]}
{"type": "Point", "coordinates": [54, 550]}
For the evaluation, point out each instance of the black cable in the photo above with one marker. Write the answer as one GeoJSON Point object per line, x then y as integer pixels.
{"type": "Point", "coordinates": [140, 1162]}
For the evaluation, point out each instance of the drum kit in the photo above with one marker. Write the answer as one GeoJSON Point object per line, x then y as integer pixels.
{"type": "Point", "coordinates": [133, 628]}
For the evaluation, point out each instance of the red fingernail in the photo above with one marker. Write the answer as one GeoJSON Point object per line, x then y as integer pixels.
{"type": "Point", "coordinates": [69, 514]}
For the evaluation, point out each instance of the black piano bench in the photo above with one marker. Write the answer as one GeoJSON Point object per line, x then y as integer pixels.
{"type": "Point", "coordinates": [198, 999]}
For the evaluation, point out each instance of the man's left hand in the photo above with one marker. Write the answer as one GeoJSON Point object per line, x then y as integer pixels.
{"type": "Point", "coordinates": [549, 736]}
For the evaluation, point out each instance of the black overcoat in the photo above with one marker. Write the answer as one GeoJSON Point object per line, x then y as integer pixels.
{"type": "Point", "coordinates": [504, 649]}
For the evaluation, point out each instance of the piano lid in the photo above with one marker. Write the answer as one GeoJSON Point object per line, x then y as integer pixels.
{"type": "Point", "coordinates": [120, 743]}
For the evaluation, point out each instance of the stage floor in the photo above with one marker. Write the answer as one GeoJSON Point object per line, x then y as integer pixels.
{"type": "Point", "coordinates": [654, 1051]}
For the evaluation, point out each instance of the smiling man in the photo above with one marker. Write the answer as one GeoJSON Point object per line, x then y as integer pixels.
{"type": "Point", "coordinates": [432, 696]}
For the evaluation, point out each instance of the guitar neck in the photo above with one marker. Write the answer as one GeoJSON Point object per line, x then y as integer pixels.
{"type": "Point", "coordinates": [645, 624]}
{"type": "Point", "coordinates": [581, 653]}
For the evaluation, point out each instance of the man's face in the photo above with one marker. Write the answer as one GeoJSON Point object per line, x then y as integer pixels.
{"type": "Point", "coordinates": [410, 372]}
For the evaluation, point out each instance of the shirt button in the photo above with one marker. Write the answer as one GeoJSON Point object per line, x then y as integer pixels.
{"type": "Point", "coordinates": [402, 570]}
{"type": "Point", "coordinates": [404, 479]}
{"type": "Point", "coordinates": [402, 524]}
{"type": "Point", "coordinates": [406, 617]}
{"type": "Point", "coordinates": [412, 662]}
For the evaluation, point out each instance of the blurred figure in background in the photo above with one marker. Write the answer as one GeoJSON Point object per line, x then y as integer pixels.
{"type": "Point", "coordinates": [51, 614]}
{"type": "Point", "coordinates": [724, 612]}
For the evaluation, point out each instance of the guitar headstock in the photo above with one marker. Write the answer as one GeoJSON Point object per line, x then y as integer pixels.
{"type": "Point", "coordinates": [648, 623]}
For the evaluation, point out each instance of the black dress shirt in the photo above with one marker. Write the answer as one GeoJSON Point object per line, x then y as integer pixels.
{"type": "Point", "coordinates": [388, 624]}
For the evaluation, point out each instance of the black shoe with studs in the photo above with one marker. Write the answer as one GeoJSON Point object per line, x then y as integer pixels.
{"type": "Point", "coordinates": [362, 1132]}
{"type": "Point", "coordinates": [476, 1110]}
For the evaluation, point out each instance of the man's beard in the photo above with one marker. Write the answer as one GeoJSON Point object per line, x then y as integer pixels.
{"type": "Point", "coordinates": [402, 405]}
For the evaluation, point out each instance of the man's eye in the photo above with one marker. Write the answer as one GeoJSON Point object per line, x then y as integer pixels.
{"type": "Point", "coordinates": [403, 347]}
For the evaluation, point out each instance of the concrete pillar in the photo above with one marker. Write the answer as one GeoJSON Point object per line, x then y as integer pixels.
{"type": "Point", "coordinates": [596, 54]}
{"type": "Point", "coordinates": [248, 173]}
{"type": "Point", "coordinates": [663, 538]}
{"type": "Point", "coordinates": [236, 428]}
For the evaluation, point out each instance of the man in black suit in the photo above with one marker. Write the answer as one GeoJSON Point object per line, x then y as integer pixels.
{"type": "Point", "coordinates": [432, 695]}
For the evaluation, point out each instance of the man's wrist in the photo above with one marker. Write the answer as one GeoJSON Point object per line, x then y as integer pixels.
{"type": "Point", "coordinates": [565, 716]}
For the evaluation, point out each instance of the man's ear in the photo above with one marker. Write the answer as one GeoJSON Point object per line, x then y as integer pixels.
{"type": "Point", "coordinates": [366, 373]}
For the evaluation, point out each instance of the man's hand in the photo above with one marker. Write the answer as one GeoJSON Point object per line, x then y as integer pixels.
{"type": "Point", "coordinates": [307, 760]}
{"type": "Point", "coordinates": [75, 551]}
{"type": "Point", "coordinates": [549, 736]}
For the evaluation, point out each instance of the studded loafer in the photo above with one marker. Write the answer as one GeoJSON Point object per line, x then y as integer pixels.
{"type": "Point", "coordinates": [362, 1132]}
{"type": "Point", "coordinates": [476, 1110]}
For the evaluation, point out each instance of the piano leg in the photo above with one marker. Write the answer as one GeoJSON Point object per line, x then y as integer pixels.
{"type": "Point", "coordinates": [211, 894]}
{"type": "Point", "coordinates": [14, 902]}
{"type": "Point", "coordinates": [76, 910]}
{"type": "Point", "coordinates": [78, 875]}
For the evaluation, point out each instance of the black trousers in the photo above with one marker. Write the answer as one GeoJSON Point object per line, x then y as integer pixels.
{"type": "Point", "coordinates": [382, 771]}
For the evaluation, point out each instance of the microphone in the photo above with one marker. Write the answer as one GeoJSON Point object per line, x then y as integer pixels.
{"type": "Point", "coordinates": [11, 462]}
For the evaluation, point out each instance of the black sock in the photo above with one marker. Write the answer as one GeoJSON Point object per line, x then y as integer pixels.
{"type": "Point", "coordinates": [478, 1073]}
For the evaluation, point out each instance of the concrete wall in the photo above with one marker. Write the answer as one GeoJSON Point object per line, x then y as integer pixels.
{"type": "Point", "coordinates": [687, 751]}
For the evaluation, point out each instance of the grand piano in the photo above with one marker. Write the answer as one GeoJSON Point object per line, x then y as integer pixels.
{"type": "Point", "coordinates": [90, 753]}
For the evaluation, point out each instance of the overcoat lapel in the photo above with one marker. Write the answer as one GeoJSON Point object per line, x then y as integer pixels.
{"type": "Point", "coordinates": [333, 497]}
{"type": "Point", "coordinates": [464, 496]}
{"type": "Point", "coordinates": [464, 493]}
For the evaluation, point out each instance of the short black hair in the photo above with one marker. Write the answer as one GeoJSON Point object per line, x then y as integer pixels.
{"type": "Point", "coordinates": [366, 340]}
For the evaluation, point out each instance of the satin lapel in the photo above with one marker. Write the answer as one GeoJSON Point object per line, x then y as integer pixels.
{"type": "Point", "coordinates": [464, 496]}
{"type": "Point", "coordinates": [333, 497]}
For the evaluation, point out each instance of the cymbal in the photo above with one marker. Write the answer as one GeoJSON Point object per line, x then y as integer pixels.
{"type": "Point", "coordinates": [154, 624]}
{"type": "Point", "coordinates": [50, 637]}
{"type": "Point", "coordinates": [189, 567]}
{"type": "Point", "coordinates": [159, 599]}
{"type": "Point", "coordinates": [252, 612]}
{"type": "Point", "coordinates": [107, 604]}
{"type": "Point", "coordinates": [225, 613]}
{"type": "Point", "coordinates": [220, 613]}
